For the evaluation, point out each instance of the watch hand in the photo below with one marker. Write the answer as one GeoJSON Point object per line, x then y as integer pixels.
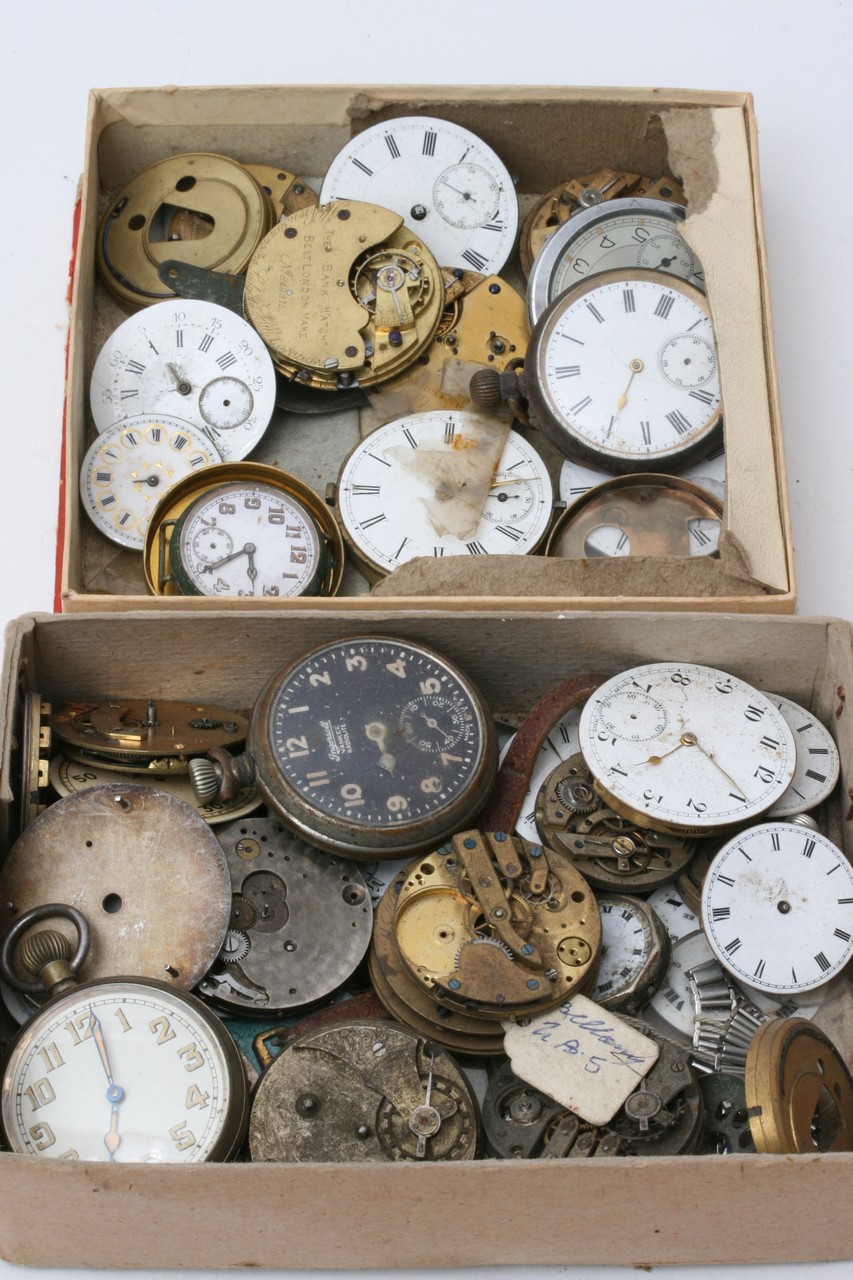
{"type": "Point", "coordinates": [377, 733]}
{"type": "Point", "coordinates": [432, 723]}
{"type": "Point", "coordinates": [100, 1044]}
{"type": "Point", "coordinates": [635, 366]}
{"type": "Point", "coordinates": [709, 755]}
{"type": "Point", "coordinates": [686, 740]}
{"type": "Point", "coordinates": [251, 571]}
{"type": "Point", "coordinates": [248, 550]}
{"type": "Point", "coordinates": [466, 195]}
{"type": "Point", "coordinates": [111, 1137]}
{"type": "Point", "coordinates": [184, 387]}
{"type": "Point", "coordinates": [515, 480]}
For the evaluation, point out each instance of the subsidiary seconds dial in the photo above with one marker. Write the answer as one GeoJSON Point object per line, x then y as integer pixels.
{"type": "Point", "coordinates": [686, 748]}
{"type": "Point", "coordinates": [373, 747]}
{"type": "Point", "coordinates": [622, 372]}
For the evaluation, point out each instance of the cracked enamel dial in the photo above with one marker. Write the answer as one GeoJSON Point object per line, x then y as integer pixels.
{"type": "Point", "coordinates": [131, 465]}
{"type": "Point", "coordinates": [686, 748]}
{"type": "Point", "coordinates": [622, 373]}
{"type": "Point", "coordinates": [777, 908]}
{"type": "Point", "coordinates": [616, 234]}
{"type": "Point", "coordinates": [443, 180]}
{"type": "Point", "coordinates": [373, 747]}
{"type": "Point", "coordinates": [193, 360]}
{"type": "Point", "coordinates": [635, 951]}
{"type": "Point", "coordinates": [395, 486]}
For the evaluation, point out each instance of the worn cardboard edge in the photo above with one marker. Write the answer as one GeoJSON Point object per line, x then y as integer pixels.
{"type": "Point", "coordinates": [299, 1216]}
{"type": "Point", "coordinates": [303, 103]}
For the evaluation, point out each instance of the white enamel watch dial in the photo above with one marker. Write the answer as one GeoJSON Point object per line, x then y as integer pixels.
{"type": "Point", "coordinates": [673, 1002]}
{"type": "Point", "coordinates": [576, 478]}
{"type": "Point", "coordinates": [131, 465]}
{"type": "Point", "coordinates": [818, 763]}
{"type": "Point", "coordinates": [444, 182]}
{"type": "Point", "coordinates": [686, 748]}
{"type": "Point", "coordinates": [393, 505]}
{"type": "Point", "coordinates": [674, 912]}
{"type": "Point", "coordinates": [247, 538]}
{"type": "Point", "coordinates": [191, 359]}
{"type": "Point", "coordinates": [125, 1070]}
{"type": "Point", "coordinates": [616, 234]}
{"type": "Point", "coordinates": [622, 373]}
{"type": "Point", "coordinates": [777, 908]}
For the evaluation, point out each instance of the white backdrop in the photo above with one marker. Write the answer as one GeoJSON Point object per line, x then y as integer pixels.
{"type": "Point", "coordinates": [794, 57]}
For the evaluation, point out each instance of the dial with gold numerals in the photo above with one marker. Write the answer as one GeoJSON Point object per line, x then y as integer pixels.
{"type": "Point", "coordinates": [131, 465]}
{"type": "Point", "coordinates": [373, 747]}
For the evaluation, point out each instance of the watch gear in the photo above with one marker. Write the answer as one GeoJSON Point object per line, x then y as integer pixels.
{"type": "Point", "coordinates": [235, 947]}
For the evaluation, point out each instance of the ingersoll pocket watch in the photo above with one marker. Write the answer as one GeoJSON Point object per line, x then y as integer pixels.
{"type": "Point", "coordinates": [621, 373]}
{"type": "Point", "coordinates": [243, 529]}
{"type": "Point", "coordinates": [372, 748]}
{"type": "Point", "coordinates": [686, 748]}
{"type": "Point", "coordinates": [441, 179]}
{"type": "Point", "coordinates": [124, 1069]}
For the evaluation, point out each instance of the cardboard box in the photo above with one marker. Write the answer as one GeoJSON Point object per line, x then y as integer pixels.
{"type": "Point", "coordinates": [544, 135]}
{"type": "Point", "coordinates": [634, 1211]}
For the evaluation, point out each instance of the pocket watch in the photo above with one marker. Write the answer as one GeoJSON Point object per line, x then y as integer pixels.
{"type": "Point", "coordinates": [633, 231]}
{"type": "Point", "coordinates": [402, 488]}
{"type": "Point", "coordinates": [687, 748]}
{"type": "Point", "coordinates": [798, 1090]}
{"type": "Point", "coordinates": [123, 1069]}
{"type": "Point", "coordinates": [777, 908]}
{"type": "Point", "coordinates": [192, 359]}
{"type": "Point", "coordinates": [373, 748]}
{"type": "Point", "coordinates": [640, 515]}
{"type": "Point", "coordinates": [243, 529]}
{"type": "Point", "coordinates": [621, 373]}
{"type": "Point", "coordinates": [440, 178]}
{"type": "Point", "coordinates": [132, 464]}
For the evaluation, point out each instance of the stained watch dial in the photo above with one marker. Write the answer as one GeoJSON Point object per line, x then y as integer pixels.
{"type": "Point", "coordinates": [373, 747]}
{"type": "Point", "coordinates": [444, 182]}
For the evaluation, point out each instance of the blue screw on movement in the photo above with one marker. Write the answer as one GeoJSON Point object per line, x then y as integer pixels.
{"type": "Point", "coordinates": [469, 843]}
{"type": "Point", "coordinates": [527, 950]}
{"type": "Point", "coordinates": [454, 984]}
{"type": "Point", "coordinates": [533, 984]}
{"type": "Point", "coordinates": [535, 851]}
{"type": "Point", "coordinates": [501, 836]}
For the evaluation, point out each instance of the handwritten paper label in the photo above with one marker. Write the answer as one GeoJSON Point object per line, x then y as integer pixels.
{"type": "Point", "coordinates": [582, 1056]}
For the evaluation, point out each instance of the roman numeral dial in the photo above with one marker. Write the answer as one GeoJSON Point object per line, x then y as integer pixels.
{"type": "Point", "coordinates": [622, 372]}
{"type": "Point", "coordinates": [778, 910]}
{"type": "Point", "coordinates": [444, 181]}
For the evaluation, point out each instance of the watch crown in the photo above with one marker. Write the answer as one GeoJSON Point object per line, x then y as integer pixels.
{"type": "Point", "coordinates": [205, 776]}
{"type": "Point", "coordinates": [46, 956]}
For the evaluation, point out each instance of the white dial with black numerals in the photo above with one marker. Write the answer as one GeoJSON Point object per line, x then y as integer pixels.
{"type": "Point", "coordinates": [396, 496]}
{"type": "Point", "coordinates": [616, 234]}
{"type": "Point", "coordinates": [685, 747]}
{"type": "Point", "coordinates": [622, 373]}
{"type": "Point", "coordinates": [561, 742]}
{"type": "Point", "coordinates": [443, 181]}
{"type": "Point", "coordinates": [818, 763]}
{"type": "Point", "coordinates": [194, 360]}
{"type": "Point", "coordinates": [777, 908]}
